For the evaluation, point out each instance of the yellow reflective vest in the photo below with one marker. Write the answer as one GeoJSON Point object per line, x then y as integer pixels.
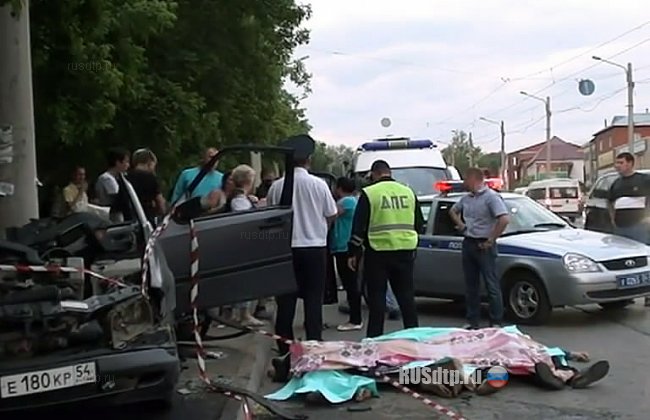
{"type": "Point", "coordinates": [391, 224]}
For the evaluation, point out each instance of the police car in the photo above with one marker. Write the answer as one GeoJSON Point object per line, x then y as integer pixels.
{"type": "Point", "coordinates": [416, 163]}
{"type": "Point", "coordinates": [544, 262]}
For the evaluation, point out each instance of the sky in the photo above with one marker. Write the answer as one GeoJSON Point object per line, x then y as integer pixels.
{"type": "Point", "coordinates": [433, 66]}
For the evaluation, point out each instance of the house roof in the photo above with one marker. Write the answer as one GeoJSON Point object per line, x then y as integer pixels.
{"type": "Point", "coordinates": [621, 121]}
{"type": "Point", "coordinates": [560, 150]}
{"type": "Point", "coordinates": [528, 149]}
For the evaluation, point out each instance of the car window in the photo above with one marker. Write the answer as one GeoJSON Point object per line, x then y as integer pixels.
{"type": "Point", "coordinates": [443, 224]}
{"type": "Point", "coordinates": [526, 214]}
{"type": "Point", "coordinates": [537, 193]}
{"type": "Point", "coordinates": [426, 210]}
{"type": "Point", "coordinates": [601, 188]}
{"type": "Point", "coordinates": [570, 192]}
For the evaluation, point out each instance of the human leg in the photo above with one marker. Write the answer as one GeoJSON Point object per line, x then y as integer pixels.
{"type": "Point", "coordinates": [488, 268]}
{"type": "Point", "coordinates": [375, 273]}
{"type": "Point", "coordinates": [400, 275]}
{"type": "Point", "coordinates": [471, 271]}
{"type": "Point", "coordinates": [351, 285]}
{"type": "Point", "coordinates": [311, 263]}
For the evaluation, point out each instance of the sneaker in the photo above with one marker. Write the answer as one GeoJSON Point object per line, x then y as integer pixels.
{"type": "Point", "coordinates": [262, 313]}
{"type": "Point", "coordinates": [470, 327]}
{"type": "Point", "coordinates": [349, 327]}
{"type": "Point", "coordinates": [593, 373]}
{"type": "Point", "coordinates": [546, 378]}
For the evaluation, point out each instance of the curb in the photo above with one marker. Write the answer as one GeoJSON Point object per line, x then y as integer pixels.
{"type": "Point", "coordinates": [256, 373]}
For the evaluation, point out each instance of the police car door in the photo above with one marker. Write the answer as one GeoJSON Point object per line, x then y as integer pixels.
{"type": "Point", "coordinates": [439, 270]}
{"type": "Point", "coordinates": [596, 211]}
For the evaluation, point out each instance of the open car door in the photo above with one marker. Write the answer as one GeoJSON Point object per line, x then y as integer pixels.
{"type": "Point", "coordinates": [243, 255]}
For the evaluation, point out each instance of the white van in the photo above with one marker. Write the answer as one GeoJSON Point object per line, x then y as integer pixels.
{"type": "Point", "coordinates": [560, 195]}
{"type": "Point", "coordinates": [416, 163]}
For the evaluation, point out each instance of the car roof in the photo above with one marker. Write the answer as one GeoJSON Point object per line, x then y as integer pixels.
{"type": "Point", "coordinates": [554, 181]}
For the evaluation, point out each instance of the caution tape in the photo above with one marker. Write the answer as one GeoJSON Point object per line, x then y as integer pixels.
{"type": "Point", "coordinates": [200, 350]}
{"type": "Point", "coordinates": [148, 250]}
{"type": "Point", "coordinates": [57, 269]}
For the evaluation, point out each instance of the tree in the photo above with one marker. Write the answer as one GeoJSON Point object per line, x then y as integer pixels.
{"type": "Point", "coordinates": [174, 76]}
{"type": "Point", "coordinates": [491, 161]}
{"type": "Point", "coordinates": [333, 159]}
{"type": "Point", "coordinates": [459, 151]}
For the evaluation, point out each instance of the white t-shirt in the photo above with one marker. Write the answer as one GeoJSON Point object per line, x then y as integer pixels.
{"type": "Point", "coordinates": [312, 204]}
{"type": "Point", "coordinates": [105, 188]}
{"type": "Point", "coordinates": [240, 203]}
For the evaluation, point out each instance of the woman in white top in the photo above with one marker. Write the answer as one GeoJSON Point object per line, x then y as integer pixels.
{"type": "Point", "coordinates": [243, 181]}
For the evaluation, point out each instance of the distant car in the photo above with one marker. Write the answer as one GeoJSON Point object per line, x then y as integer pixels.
{"type": "Point", "coordinates": [543, 261]}
{"type": "Point", "coordinates": [562, 196]}
{"type": "Point", "coordinates": [596, 214]}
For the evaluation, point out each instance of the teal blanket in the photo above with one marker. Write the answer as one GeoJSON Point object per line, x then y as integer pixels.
{"type": "Point", "coordinates": [338, 386]}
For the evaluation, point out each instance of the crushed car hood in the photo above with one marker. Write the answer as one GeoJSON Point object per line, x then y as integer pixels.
{"type": "Point", "coordinates": [595, 245]}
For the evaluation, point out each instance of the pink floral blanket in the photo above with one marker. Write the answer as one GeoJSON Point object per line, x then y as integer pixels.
{"type": "Point", "coordinates": [480, 348]}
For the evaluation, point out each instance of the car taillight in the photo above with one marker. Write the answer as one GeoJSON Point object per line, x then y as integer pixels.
{"type": "Point", "coordinates": [494, 183]}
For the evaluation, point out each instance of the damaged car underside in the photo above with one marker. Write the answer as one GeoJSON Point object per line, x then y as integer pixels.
{"type": "Point", "coordinates": [74, 335]}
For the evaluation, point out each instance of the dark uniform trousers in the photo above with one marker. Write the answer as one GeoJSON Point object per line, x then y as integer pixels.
{"type": "Point", "coordinates": [378, 268]}
{"type": "Point", "coordinates": [309, 266]}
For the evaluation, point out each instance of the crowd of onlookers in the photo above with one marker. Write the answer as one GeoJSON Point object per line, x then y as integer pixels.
{"type": "Point", "coordinates": [228, 191]}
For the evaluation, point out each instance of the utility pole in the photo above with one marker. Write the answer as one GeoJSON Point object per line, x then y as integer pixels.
{"type": "Point", "coordinates": [548, 136]}
{"type": "Point", "coordinates": [17, 112]}
{"type": "Point", "coordinates": [630, 107]}
{"type": "Point", "coordinates": [504, 159]}
{"type": "Point", "coordinates": [503, 168]}
{"type": "Point", "coordinates": [470, 154]}
{"type": "Point", "coordinates": [629, 78]}
{"type": "Point", "coordinates": [547, 108]}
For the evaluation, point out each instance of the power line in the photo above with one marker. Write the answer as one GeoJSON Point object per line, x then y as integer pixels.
{"type": "Point", "coordinates": [590, 50]}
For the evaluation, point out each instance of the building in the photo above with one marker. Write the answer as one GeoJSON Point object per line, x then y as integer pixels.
{"type": "Point", "coordinates": [529, 163]}
{"type": "Point", "coordinates": [612, 140]}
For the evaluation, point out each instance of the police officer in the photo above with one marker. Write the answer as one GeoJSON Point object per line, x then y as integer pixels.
{"type": "Point", "coordinates": [387, 221]}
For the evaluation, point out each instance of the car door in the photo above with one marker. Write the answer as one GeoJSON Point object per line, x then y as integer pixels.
{"type": "Point", "coordinates": [441, 271]}
{"type": "Point", "coordinates": [596, 211]}
{"type": "Point", "coordinates": [242, 256]}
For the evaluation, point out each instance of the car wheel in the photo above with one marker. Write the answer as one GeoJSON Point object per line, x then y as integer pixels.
{"type": "Point", "coordinates": [526, 298]}
{"type": "Point", "coordinates": [613, 306]}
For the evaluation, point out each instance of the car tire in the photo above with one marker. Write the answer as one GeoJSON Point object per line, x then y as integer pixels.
{"type": "Point", "coordinates": [614, 306]}
{"type": "Point", "coordinates": [525, 298]}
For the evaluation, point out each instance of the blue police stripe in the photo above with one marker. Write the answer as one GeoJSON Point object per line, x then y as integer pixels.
{"type": "Point", "coordinates": [503, 249]}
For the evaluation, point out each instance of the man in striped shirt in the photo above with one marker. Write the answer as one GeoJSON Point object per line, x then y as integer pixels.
{"type": "Point", "coordinates": [629, 204]}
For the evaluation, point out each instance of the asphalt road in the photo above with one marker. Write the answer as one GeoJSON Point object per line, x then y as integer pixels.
{"type": "Point", "coordinates": [621, 337]}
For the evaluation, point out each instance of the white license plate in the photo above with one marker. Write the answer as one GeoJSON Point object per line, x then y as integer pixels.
{"type": "Point", "coordinates": [47, 380]}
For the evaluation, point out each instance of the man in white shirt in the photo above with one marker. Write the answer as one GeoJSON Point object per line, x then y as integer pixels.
{"type": "Point", "coordinates": [107, 187]}
{"type": "Point", "coordinates": [314, 209]}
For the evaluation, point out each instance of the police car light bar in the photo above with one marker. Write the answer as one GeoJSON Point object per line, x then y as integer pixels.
{"type": "Point", "coordinates": [396, 144]}
{"type": "Point", "coordinates": [446, 187]}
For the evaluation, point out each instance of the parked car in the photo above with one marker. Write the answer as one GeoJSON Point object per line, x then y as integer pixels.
{"type": "Point", "coordinates": [543, 263]}
{"type": "Point", "coordinates": [596, 213]}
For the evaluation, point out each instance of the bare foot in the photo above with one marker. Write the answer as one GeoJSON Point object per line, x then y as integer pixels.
{"type": "Point", "coordinates": [362, 395]}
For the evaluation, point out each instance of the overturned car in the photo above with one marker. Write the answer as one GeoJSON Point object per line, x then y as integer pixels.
{"type": "Point", "coordinates": [76, 335]}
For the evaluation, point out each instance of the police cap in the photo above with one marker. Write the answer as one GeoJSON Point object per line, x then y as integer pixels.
{"type": "Point", "coordinates": [302, 144]}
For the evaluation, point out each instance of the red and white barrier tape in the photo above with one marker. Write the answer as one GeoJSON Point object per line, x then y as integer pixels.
{"type": "Point", "coordinates": [200, 350]}
{"type": "Point", "coordinates": [439, 408]}
{"type": "Point", "coordinates": [57, 269]}
{"type": "Point", "coordinates": [148, 250]}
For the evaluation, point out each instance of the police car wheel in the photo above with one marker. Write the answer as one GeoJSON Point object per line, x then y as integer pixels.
{"type": "Point", "coordinates": [526, 299]}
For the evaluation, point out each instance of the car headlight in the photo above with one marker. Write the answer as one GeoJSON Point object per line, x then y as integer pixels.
{"type": "Point", "coordinates": [577, 263]}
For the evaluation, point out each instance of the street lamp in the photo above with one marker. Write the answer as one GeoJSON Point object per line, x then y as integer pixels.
{"type": "Point", "coordinates": [504, 162]}
{"type": "Point", "coordinates": [547, 106]}
{"type": "Point", "coordinates": [630, 99]}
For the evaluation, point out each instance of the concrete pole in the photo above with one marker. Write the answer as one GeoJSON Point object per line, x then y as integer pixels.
{"type": "Point", "coordinates": [630, 108]}
{"type": "Point", "coordinates": [17, 111]}
{"type": "Point", "coordinates": [470, 155]}
{"type": "Point", "coordinates": [504, 159]}
{"type": "Point", "coordinates": [548, 136]}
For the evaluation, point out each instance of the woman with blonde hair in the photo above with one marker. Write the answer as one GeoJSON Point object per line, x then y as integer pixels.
{"type": "Point", "coordinates": [243, 180]}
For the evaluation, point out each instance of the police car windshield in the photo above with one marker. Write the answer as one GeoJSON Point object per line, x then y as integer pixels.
{"type": "Point", "coordinates": [526, 215]}
{"type": "Point", "coordinates": [421, 180]}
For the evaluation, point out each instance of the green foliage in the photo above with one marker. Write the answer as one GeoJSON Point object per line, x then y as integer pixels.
{"type": "Point", "coordinates": [332, 159]}
{"type": "Point", "coordinates": [174, 76]}
{"type": "Point", "coordinates": [459, 151]}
